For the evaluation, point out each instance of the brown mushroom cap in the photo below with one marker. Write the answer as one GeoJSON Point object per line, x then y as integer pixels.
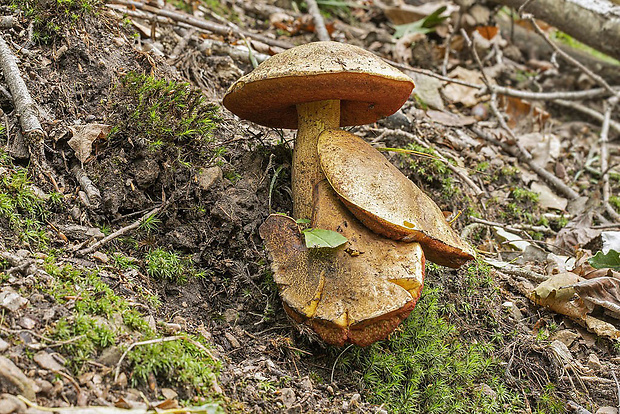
{"type": "Point", "coordinates": [368, 87]}
{"type": "Point", "coordinates": [386, 201]}
{"type": "Point", "coordinates": [358, 292]}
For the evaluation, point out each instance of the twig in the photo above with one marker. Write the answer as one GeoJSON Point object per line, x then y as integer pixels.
{"type": "Point", "coordinates": [513, 227]}
{"type": "Point", "coordinates": [613, 373]}
{"type": "Point", "coordinates": [502, 90]}
{"type": "Point", "coordinates": [158, 341]}
{"type": "Point", "coordinates": [92, 193]}
{"type": "Point", "coordinates": [598, 79]}
{"type": "Point", "coordinates": [609, 106]}
{"type": "Point", "coordinates": [181, 45]}
{"type": "Point", "coordinates": [123, 230]}
{"type": "Point", "coordinates": [201, 24]}
{"type": "Point", "coordinates": [319, 23]}
{"type": "Point", "coordinates": [446, 55]}
{"type": "Point", "coordinates": [615, 125]}
{"type": "Point", "coordinates": [551, 179]}
{"type": "Point", "coordinates": [513, 270]}
{"type": "Point", "coordinates": [456, 170]}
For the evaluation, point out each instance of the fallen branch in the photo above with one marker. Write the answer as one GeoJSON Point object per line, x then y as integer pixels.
{"type": "Point", "coordinates": [594, 23]}
{"type": "Point", "coordinates": [615, 125]}
{"type": "Point", "coordinates": [201, 24]}
{"type": "Point", "coordinates": [514, 270]}
{"type": "Point", "coordinates": [122, 231]}
{"type": "Point", "coordinates": [513, 227]}
{"type": "Point", "coordinates": [25, 108]}
{"type": "Point", "coordinates": [241, 53]}
{"type": "Point", "coordinates": [319, 23]}
{"type": "Point", "coordinates": [609, 106]}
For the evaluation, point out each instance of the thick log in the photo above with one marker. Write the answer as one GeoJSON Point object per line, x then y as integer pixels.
{"type": "Point", "coordinates": [593, 22]}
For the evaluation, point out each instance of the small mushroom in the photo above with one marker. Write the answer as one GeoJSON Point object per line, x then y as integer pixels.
{"type": "Point", "coordinates": [385, 200]}
{"type": "Point", "coordinates": [314, 87]}
{"type": "Point", "coordinates": [358, 292]}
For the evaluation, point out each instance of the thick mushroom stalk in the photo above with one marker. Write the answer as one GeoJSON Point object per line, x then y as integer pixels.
{"type": "Point", "coordinates": [312, 119]}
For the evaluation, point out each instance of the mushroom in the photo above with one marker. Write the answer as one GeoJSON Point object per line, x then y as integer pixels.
{"type": "Point", "coordinates": [358, 292]}
{"type": "Point", "coordinates": [385, 200]}
{"type": "Point", "coordinates": [313, 87]}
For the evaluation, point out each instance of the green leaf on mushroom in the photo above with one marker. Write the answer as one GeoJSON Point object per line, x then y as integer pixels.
{"type": "Point", "coordinates": [318, 238]}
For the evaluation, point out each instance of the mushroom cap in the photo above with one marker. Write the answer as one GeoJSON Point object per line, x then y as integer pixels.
{"type": "Point", "coordinates": [367, 87]}
{"type": "Point", "coordinates": [385, 200]}
{"type": "Point", "coordinates": [358, 292]}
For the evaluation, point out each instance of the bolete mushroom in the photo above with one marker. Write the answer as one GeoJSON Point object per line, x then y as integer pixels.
{"type": "Point", "coordinates": [358, 292]}
{"type": "Point", "coordinates": [314, 87]}
{"type": "Point", "coordinates": [385, 200]}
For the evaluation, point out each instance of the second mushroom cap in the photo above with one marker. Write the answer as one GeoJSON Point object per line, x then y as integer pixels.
{"type": "Point", "coordinates": [386, 201]}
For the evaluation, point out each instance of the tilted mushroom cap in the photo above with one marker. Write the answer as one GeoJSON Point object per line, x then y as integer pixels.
{"type": "Point", "coordinates": [368, 87]}
{"type": "Point", "coordinates": [358, 292]}
{"type": "Point", "coordinates": [386, 201]}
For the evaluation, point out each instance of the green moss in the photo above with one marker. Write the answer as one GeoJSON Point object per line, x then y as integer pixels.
{"type": "Point", "coordinates": [99, 318]}
{"type": "Point", "coordinates": [21, 208]}
{"type": "Point", "coordinates": [162, 264]}
{"type": "Point", "coordinates": [424, 367]}
{"type": "Point", "coordinates": [163, 112]}
{"type": "Point", "coordinates": [51, 18]}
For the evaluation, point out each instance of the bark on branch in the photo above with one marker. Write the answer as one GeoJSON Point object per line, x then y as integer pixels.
{"type": "Point", "coordinates": [593, 22]}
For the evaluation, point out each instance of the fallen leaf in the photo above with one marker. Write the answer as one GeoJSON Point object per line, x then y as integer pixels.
{"type": "Point", "coordinates": [427, 89]}
{"type": "Point", "coordinates": [523, 115]}
{"type": "Point", "coordinates": [487, 32]}
{"type": "Point", "coordinates": [407, 13]}
{"type": "Point", "coordinates": [547, 198]}
{"type": "Point", "coordinates": [543, 147]}
{"type": "Point", "coordinates": [460, 93]}
{"type": "Point", "coordinates": [577, 232]}
{"type": "Point", "coordinates": [450, 119]}
{"type": "Point", "coordinates": [317, 238]}
{"type": "Point", "coordinates": [610, 260]}
{"type": "Point", "coordinates": [602, 291]}
{"type": "Point", "coordinates": [512, 239]}
{"type": "Point", "coordinates": [556, 293]}
{"type": "Point", "coordinates": [84, 136]}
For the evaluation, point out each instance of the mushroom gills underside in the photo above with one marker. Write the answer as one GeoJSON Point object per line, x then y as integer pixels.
{"type": "Point", "coordinates": [358, 292]}
{"type": "Point", "coordinates": [385, 200]}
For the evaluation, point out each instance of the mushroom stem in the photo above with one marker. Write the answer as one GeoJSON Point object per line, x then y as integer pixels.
{"type": "Point", "coordinates": [313, 118]}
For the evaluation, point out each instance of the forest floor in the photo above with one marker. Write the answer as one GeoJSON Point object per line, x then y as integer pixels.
{"type": "Point", "coordinates": [179, 312]}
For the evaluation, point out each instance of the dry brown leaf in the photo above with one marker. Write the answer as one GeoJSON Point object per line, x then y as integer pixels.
{"type": "Point", "coordinates": [522, 115]}
{"type": "Point", "coordinates": [488, 32]}
{"type": "Point", "coordinates": [407, 13]}
{"type": "Point", "coordinates": [450, 119]}
{"type": "Point", "coordinates": [84, 136]}
{"type": "Point", "coordinates": [557, 294]}
{"type": "Point", "coordinates": [602, 291]}
{"type": "Point", "coordinates": [601, 328]}
{"type": "Point", "coordinates": [463, 94]}
{"type": "Point", "coordinates": [577, 232]}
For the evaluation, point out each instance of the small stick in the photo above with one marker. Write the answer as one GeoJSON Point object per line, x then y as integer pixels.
{"type": "Point", "coordinates": [514, 227]}
{"type": "Point", "coordinates": [122, 231]}
{"type": "Point", "coordinates": [319, 23]}
{"type": "Point", "coordinates": [551, 179]}
{"type": "Point", "coordinates": [598, 79]}
{"type": "Point", "coordinates": [516, 271]}
{"type": "Point", "coordinates": [609, 106]}
{"type": "Point", "coordinates": [92, 192]}
{"type": "Point", "coordinates": [331, 378]}
{"type": "Point", "coordinates": [615, 125]}
{"type": "Point", "coordinates": [446, 56]}
{"type": "Point", "coordinates": [200, 23]}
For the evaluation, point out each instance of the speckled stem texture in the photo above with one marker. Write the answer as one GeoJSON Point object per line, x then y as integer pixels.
{"type": "Point", "coordinates": [313, 118]}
